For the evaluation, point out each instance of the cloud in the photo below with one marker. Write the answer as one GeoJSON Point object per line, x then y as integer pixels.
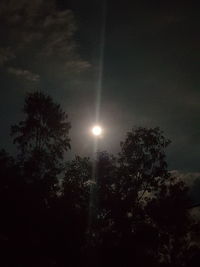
{"type": "Point", "coordinates": [77, 65]}
{"type": "Point", "coordinates": [188, 177]}
{"type": "Point", "coordinates": [41, 39]}
{"type": "Point", "coordinates": [25, 74]}
{"type": "Point", "coordinates": [28, 23]}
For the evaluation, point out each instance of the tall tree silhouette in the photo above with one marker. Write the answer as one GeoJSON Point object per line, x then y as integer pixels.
{"type": "Point", "coordinates": [42, 138]}
{"type": "Point", "coordinates": [142, 215]}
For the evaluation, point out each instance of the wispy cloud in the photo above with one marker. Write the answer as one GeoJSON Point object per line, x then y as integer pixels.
{"type": "Point", "coordinates": [42, 35]}
{"type": "Point", "coordinates": [25, 74]}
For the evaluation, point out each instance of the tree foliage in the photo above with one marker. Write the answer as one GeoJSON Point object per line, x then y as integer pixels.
{"type": "Point", "coordinates": [42, 139]}
{"type": "Point", "coordinates": [122, 210]}
{"type": "Point", "coordinates": [45, 127]}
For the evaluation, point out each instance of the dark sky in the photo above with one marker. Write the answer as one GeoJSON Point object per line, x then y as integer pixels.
{"type": "Point", "coordinates": [150, 69]}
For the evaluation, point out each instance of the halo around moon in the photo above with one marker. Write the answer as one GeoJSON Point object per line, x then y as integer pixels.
{"type": "Point", "coordinates": [96, 130]}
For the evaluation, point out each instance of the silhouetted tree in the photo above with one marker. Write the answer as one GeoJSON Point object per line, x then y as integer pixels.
{"type": "Point", "coordinates": [129, 189]}
{"type": "Point", "coordinates": [168, 211]}
{"type": "Point", "coordinates": [33, 180]}
{"type": "Point", "coordinates": [42, 139]}
{"type": "Point", "coordinates": [123, 210]}
{"type": "Point", "coordinates": [75, 203]}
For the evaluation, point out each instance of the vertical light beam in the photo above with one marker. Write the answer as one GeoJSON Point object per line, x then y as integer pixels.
{"type": "Point", "coordinates": [93, 195]}
{"type": "Point", "coordinates": [101, 62]}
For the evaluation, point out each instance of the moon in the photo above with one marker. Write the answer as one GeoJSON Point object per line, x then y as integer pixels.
{"type": "Point", "coordinates": [97, 130]}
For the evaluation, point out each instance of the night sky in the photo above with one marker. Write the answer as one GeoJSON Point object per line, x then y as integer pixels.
{"type": "Point", "coordinates": [149, 55]}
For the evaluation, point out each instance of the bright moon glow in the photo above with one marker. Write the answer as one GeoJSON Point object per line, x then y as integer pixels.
{"type": "Point", "coordinates": [96, 130]}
